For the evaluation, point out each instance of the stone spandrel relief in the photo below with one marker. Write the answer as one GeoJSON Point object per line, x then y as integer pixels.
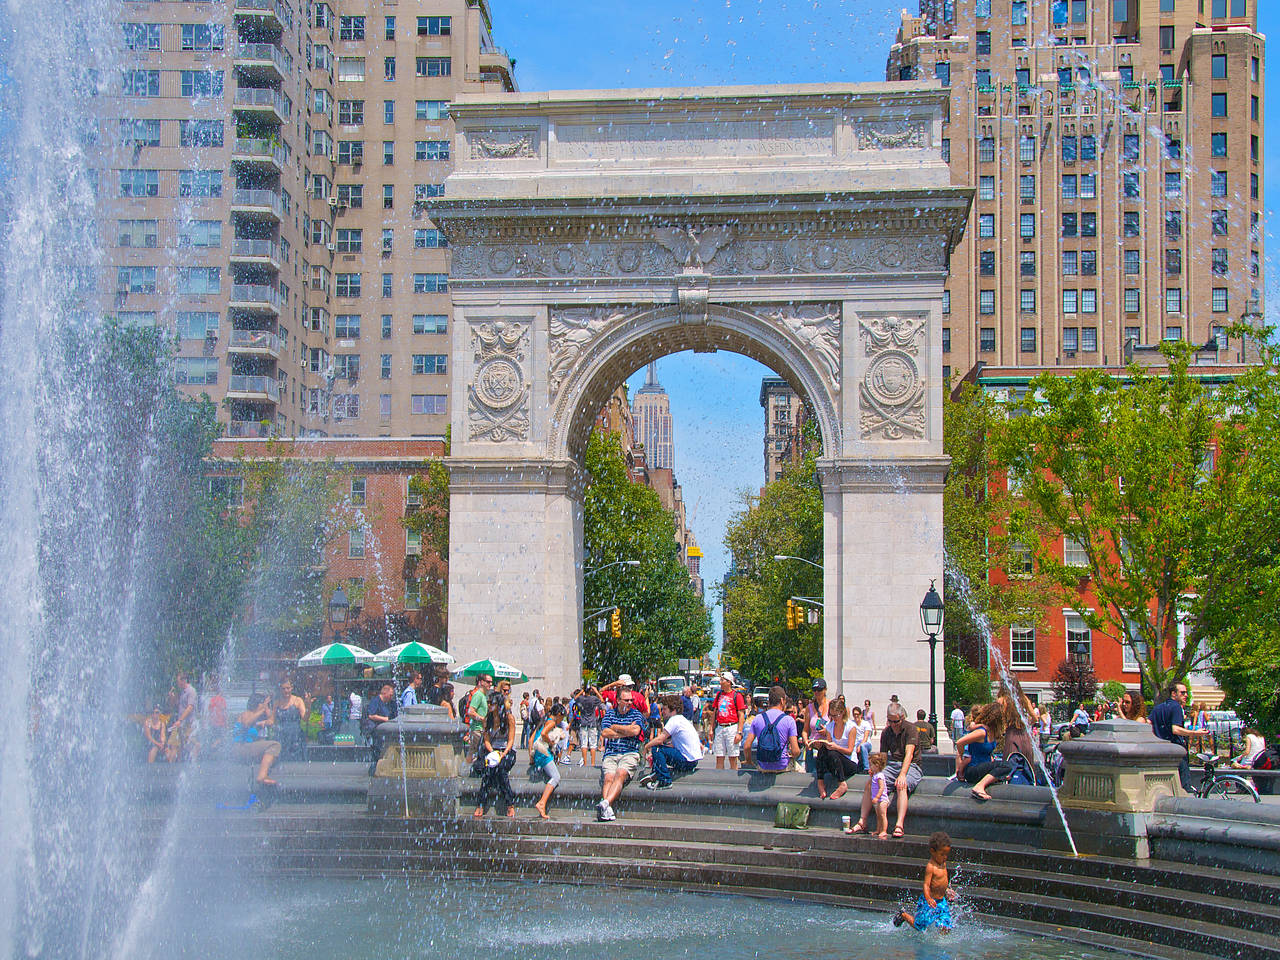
{"type": "Point", "coordinates": [892, 134]}
{"type": "Point", "coordinates": [503, 144]}
{"type": "Point", "coordinates": [892, 390]}
{"type": "Point", "coordinates": [498, 398]}
{"type": "Point", "coordinates": [817, 326]}
{"type": "Point", "coordinates": [571, 331]}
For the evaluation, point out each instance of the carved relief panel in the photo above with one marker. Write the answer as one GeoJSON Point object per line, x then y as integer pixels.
{"type": "Point", "coordinates": [894, 364]}
{"type": "Point", "coordinates": [498, 397]}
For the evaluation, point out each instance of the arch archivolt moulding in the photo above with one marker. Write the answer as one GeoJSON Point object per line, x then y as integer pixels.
{"type": "Point", "coordinates": [593, 345]}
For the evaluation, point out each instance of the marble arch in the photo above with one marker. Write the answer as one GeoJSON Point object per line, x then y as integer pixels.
{"type": "Point", "coordinates": [808, 227]}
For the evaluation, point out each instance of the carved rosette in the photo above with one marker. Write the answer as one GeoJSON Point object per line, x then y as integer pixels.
{"type": "Point", "coordinates": [892, 390]}
{"type": "Point", "coordinates": [571, 332]}
{"type": "Point", "coordinates": [817, 326]}
{"type": "Point", "coordinates": [498, 397]}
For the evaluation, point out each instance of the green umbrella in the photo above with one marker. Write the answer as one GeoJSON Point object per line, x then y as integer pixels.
{"type": "Point", "coordinates": [494, 668]}
{"type": "Point", "coordinates": [335, 654]}
{"type": "Point", "coordinates": [413, 653]}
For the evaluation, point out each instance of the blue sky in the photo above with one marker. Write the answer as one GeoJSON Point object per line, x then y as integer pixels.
{"type": "Point", "coordinates": [558, 44]}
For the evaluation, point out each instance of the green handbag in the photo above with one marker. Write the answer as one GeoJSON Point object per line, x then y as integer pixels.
{"type": "Point", "coordinates": [792, 816]}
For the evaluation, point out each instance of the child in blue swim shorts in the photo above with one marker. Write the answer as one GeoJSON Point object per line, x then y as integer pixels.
{"type": "Point", "coordinates": [933, 908]}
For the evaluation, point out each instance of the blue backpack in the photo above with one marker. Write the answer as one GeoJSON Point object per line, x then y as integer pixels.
{"type": "Point", "coordinates": [769, 745]}
{"type": "Point", "coordinates": [1023, 774]}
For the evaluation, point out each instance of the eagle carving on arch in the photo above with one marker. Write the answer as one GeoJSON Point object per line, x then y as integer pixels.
{"type": "Point", "coordinates": [693, 247]}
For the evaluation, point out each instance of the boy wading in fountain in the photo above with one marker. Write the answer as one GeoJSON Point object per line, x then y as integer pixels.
{"type": "Point", "coordinates": [933, 908]}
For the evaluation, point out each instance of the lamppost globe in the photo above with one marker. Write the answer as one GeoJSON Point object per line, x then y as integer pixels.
{"type": "Point", "coordinates": [338, 607]}
{"type": "Point", "coordinates": [931, 611]}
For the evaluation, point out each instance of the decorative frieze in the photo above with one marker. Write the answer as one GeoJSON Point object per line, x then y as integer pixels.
{"type": "Point", "coordinates": [892, 135]}
{"type": "Point", "coordinates": [892, 391]}
{"type": "Point", "coordinates": [504, 144]}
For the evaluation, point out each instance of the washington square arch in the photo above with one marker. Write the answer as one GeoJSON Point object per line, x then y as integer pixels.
{"type": "Point", "coordinates": [808, 227]}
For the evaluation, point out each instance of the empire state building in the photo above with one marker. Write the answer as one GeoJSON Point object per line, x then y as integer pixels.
{"type": "Point", "coordinates": [652, 412]}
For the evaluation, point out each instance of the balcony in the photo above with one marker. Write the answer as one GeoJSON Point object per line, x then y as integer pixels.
{"type": "Point", "coordinates": [261, 99]}
{"type": "Point", "coordinates": [249, 429]}
{"type": "Point", "coordinates": [259, 343]}
{"type": "Point", "coordinates": [496, 64]}
{"type": "Point", "coordinates": [265, 59]}
{"type": "Point", "coordinates": [255, 297]}
{"type": "Point", "coordinates": [253, 388]}
{"type": "Point", "coordinates": [270, 12]}
{"type": "Point", "coordinates": [259, 151]}
{"type": "Point", "coordinates": [261, 252]}
{"type": "Point", "coordinates": [257, 202]}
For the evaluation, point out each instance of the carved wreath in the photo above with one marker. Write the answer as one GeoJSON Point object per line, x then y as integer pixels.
{"type": "Point", "coordinates": [498, 396]}
{"type": "Point", "coordinates": [892, 391]}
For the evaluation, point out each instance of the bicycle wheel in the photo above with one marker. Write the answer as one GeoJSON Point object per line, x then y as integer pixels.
{"type": "Point", "coordinates": [1232, 788]}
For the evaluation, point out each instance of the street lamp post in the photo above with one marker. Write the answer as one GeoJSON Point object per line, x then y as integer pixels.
{"type": "Point", "coordinates": [338, 609]}
{"type": "Point", "coordinates": [616, 563]}
{"type": "Point", "coordinates": [931, 612]}
{"type": "Point", "coordinates": [785, 556]}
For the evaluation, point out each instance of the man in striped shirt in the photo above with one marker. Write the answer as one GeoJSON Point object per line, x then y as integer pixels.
{"type": "Point", "coordinates": [622, 730]}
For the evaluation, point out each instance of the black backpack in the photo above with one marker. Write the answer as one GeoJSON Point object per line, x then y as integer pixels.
{"type": "Point", "coordinates": [769, 745]}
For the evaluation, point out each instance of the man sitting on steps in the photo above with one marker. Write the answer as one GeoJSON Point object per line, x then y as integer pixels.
{"type": "Point", "coordinates": [675, 747]}
{"type": "Point", "coordinates": [621, 730]}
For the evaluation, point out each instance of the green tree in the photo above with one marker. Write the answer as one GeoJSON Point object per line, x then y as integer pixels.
{"type": "Point", "coordinates": [663, 618]}
{"type": "Point", "coordinates": [1124, 467]}
{"type": "Point", "coordinates": [786, 518]}
{"type": "Point", "coordinates": [428, 516]}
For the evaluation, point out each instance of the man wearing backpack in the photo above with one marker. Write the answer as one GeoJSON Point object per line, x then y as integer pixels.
{"type": "Point", "coordinates": [773, 734]}
{"type": "Point", "coordinates": [730, 711]}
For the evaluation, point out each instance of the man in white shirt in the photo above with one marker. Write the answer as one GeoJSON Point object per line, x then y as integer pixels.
{"type": "Point", "coordinates": [675, 747]}
{"type": "Point", "coordinates": [957, 723]}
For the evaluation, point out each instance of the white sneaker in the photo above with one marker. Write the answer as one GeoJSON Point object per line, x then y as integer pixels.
{"type": "Point", "coordinates": [609, 814]}
{"type": "Point", "coordinates": [602, 811]}
{"type": "Point", "coordinates": [581, 762]}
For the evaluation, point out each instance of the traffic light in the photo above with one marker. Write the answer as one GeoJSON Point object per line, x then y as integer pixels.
{"type": "Point", "coordinates": [791, 614]}
{"type": "Point", "coordinates": [615, 623]}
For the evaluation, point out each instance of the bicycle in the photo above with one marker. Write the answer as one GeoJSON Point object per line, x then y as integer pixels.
{"type": "Point", "coordinates": [1219, 785]}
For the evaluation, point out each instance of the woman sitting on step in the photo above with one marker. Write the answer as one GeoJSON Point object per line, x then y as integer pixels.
{"type": "Point", "coordinates": [834, 751]}
{"type": "Point", "coordinates": [542, 755]}
{"type": "Point", "coordinates": [975, 750]}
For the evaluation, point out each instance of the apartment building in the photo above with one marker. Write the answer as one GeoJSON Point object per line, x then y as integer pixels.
{"type": "Point", "coordinates": [1116, 148]}
{"type": "Point", "coordinates": [270, 163]}
{"type": "Point", "coordinates": [784, 418]}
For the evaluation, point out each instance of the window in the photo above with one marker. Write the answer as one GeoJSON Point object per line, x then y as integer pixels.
{"type": "Point", "coordinates": [433, 323]}
{"type": "Point", "coordinates": [432, 110]}
{"type": "Point", "coordinates": [136, 279]}
{"type": "Point", "coordinates": [430, 282]}
{"type": "Point", "coordinates": [347, 285]}
{"type": "Point", "coordinates": [1132, 300]}
{"type": "Point", "coordinates": [388, 68]}
{"type": "Point", "coordinates": [986, 150]}
{"type": "Point", "coordinates": [386, 326]}
{"type": "Point", "coordinates": [946, 302]}
{"type": "Point", "coordinates": [1133, 186]}
{"type": "Point", "coordinates": [1079, 638]}
{"type": "Point", "coordinates": [1079, 11]}
{"type": "Point", "coordinates": [1220, 300]}
{"type": "Point", "coordinates": [200, 133]}
{"type": "Point", "coordinates": [387, 235]}
{"type": "Point", "coordinates": [1069, 186]}
{"type": "Point", "coordinates": [983, 43]}
{"type": "Point", "coordinates": [1167, 6]}
{"type": "Point", "coordinates": [346, 406]}
{"type": "Point", "coordinates": [140, 133]}
{"type": "Point", "coordinates": [388, 153]}
{"type": "Point", "coordinates": [946, 149]}
{"type": "Point", "coordinates": [1019, 13]}
{"type": "Point", "coordinates": [1089, 339]}
{"type": "Point", "coordinates": [1172, 186]}
{"type": "Point", "coordinates": [1173, 261]}
{"type": "Point", "coordinates": [1070, 338]}
{"type": "Point", "coordinates": [1027, 225]}
{"type": "Point", "coordinates": [1253, 185]}
{"type": "Point", "coordinates": [1220, 263]}
{"type": "Point", "coordinates": [1059, 13]}
{"type": "Point", "coordinates": [1027, 263]}
{"type": "Point", "coordinates": [1070, 224]}
{"type": "Point", "coordinates": [351, 195]}
{"type": "Point", "coordinates": [1088, 224]}
{"type": "Point", "coordinates": [434, 67]}
{"type": "Point", "coordinates": [351, 69]}
{"type": "Point", "coordinates": [1132, 334]}
{"type": "Point", "coordinates": [986, 225]}
{"type": "Point", "coordinates": [1022, 648]}
{"type": "Point", "coordinates": [428, 404]}
{"type": "Point", "coordinates": [351, 28]}
{"type": "Point", "coordinates": [1026, 149]}
{"type": "Point", "coordinates": [137, 233]}
{"type": "Point", "coordinates": [199, 233]}
{"type": "Point", "coordinates": [1088, 186]}
{"type": "Point", "coordinates": [986, 188]}
{"type": "Point", "coordinates": [425, 191]}
{"type": "Point", "coordinates": [141, 83]}
{"type": "Point", "coordinates": [1071, 303]}
{"type": "Point", "coordinates": [199, 325]}
{"type": "Point", "coordinates": [1173, 300]}
{"type": "Point", "coordinates": [201, 84]}
{"type": "Point", "coordinates": [1027, 340]}
{"type": "Point", "coordinates": [139, 183]}
{"type": "Point", "coordinates": [1027, 188]}
{"type": "Point", "coordinates": [355, 538]}
{"type": "Point", "coordinates": [1088, 263]}
{"type": "Point", "coordinates": [346, 326]}
{"type": "Point", "coordinates": [350, 112]}
{"type": "Point", "coordinates": [435, 26]}
{"type": "Point", "coordinates": [424, 363]}
{"type": "Point", "coordinates": [1131, 146]}
{"type": "Point", "coordinates": [1218, 145]}
{"type": "Point", "coordinates": [350, 240]}
{"type": "Point", "coordinates": [987, 339]}
{"type": "Point", "coordinates": [195, 370]}
{"type": "Point", "coordinates": [986, 302]}
{"type": "Point", "coordinates": [1173, 333]}
{"type": "Point", "coordinates": [351, 152]}
{"type": "Point", "coordinates": [199, 280]}
{"type": "Point", "coordinates": [1166, 72]}
{"type": "Point", "coordinates": [141, 36]}
{"type": "Point", "coordinates": [946, 339]}
{"type": "Point", "coordinates": [431, 150]}
{"type": "Point", "coordinates": [982, 8]}
{"type": "Point", "coordinates": [202, 36]}
{"type": "Point", "coordinates": [987, 263]}
{"type": "Point", "coordinates": [1088, 147]}
{"type": "Point", "coordinates": [389, 28]}
{"type": "Point", "coordinates": [1218, 105]}
{"type": "Point", "coordinates": [1070, 149]}
{"type": "Point", "coordinates": [1073, 553]}
{"type": "Point", "coordinates": [1023, 76]}
{"type": "Point", "coordinates": [200, 183]}
{"type": "Point", "coordinates": [1089, 301]}
{"type": "Point", "coordinates": [388, 111]}
{"type": "Point", "coordinates": [1132, 262]}
{"type": "Point", "coordinates": [1218, 66]}
{"type": "Point", "coordinates": [429, 238]}
{"type": "Point", "coordinates": [1172, 224]}
{"type": "Point", "coordinates": [386, 285]}
{"type": "Point", "coordinates": [388, 196]}
{"type": "Point", "coordinates": [942, 70]}
{"type": "Point", "coordinates": [1166, 38]}
{"type": "Point", "coordinates": [1254, 109]}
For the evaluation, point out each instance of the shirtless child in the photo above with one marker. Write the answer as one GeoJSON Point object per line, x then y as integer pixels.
{"type": "Point", "coordinates": [933, 908]}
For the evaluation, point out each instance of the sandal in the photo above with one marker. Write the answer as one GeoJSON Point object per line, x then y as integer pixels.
{"type": "Point", "coordinates": [898, 833]}
{"type": "Point", "coordinates": [858, 827]}
{"type": "Point", "coordinates": [980, 797]}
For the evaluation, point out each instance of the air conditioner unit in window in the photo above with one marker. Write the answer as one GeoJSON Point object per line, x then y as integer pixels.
{"type": "Point", "coordinates": [333, 201]}
{"type": "Point", "coordinates": [386, 245]}
{"type": "Point", "coordinates": [1070, 354]}
{"type": "Point", "coordinates": [331, 247]}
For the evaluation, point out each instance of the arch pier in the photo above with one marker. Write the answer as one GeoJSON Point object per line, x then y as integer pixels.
{"type": "Point", "coordinates": [808, 227]}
